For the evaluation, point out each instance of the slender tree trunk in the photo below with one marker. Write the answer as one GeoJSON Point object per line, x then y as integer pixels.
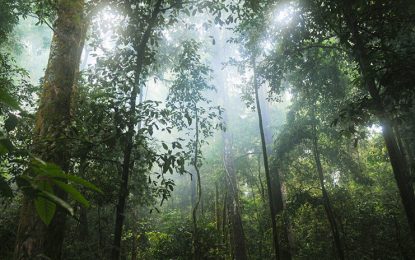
{"type": "Point", "coordinates": [128, 163]}
{"type": "Point", "coordinates": [224, 216]}
{"type": "Point", "coordinates": [193, 188]}
{"type": "Point", "coordinates": [326, 200]}
{"type": "Point", "coordinates": [197, 254]}
{"type": "Point", "coordinates": [274, 172]}
{"type": "Point", "coordinates": [261, 183]}
{"type": "Point", "coordinates": [288, 225]}
{"type": "Point", "coordinates": [279, 254]}
{"type": "Point", "coordinates": [231, 240]}
{"type": "Point", "coordinates": [99, 230]}
{"type": "Point", "coordinates": [83, 216]}
{"type": "Point", "coordinates": [83, 225]}
{"type": "Point", "coordinates": [134, 247]}
{"type": "Point", "coordinates": [83, 228]}
{"type": "Point", "coordinates": [397, 159]}
{"type": "Point", "coordinates": [217, 209]}
{"type": "Point", "coordinates": [53, 119]}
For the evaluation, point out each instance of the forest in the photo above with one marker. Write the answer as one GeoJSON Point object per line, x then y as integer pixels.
{"type": "Point", "coordinates": [207, 129]}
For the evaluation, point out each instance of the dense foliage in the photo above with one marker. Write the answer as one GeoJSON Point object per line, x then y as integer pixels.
{"type": "Point", "coordinates": [166, 129]}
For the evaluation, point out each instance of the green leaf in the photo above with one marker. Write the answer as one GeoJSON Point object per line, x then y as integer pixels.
{"type": "Point", "coordinates": [75, 194]}
{"type": "Point", "coordinates": [177, 144]}
{"type": "Point", "coordinates": [8, 100]}
{"type": "Point", "coordinates": [186, 11]}
{"type": "Point", "coordinates": [53, 171]}
{"type": "Point", "coordinates": [166, 166]}
{"type": "Point", "coordinates": [165, 146]}
{"type": "Point", "coordinates": [52, 197]}
{"type": "Point", "coordinates": [83, 182]}
{"type": "Point", "coordinates": [189, 119]}
{"type": "Point", "coordinates": [45, 209]}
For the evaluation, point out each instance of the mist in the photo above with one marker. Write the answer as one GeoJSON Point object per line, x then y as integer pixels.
{"type": "Point", "coordinates": [207, 130]}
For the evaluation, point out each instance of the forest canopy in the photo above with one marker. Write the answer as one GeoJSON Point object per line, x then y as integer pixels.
{"type": "Point", "coordinates": [207, 129]}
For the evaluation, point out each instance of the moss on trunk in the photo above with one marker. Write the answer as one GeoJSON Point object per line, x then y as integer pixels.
{"type": "Point", "coordinates": [53, 120]}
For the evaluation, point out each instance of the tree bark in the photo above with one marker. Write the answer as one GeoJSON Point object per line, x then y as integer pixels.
{"type": "Point", "coordinates": [53, 120]}
{"type": "Point", "coordinates": [128, 164]}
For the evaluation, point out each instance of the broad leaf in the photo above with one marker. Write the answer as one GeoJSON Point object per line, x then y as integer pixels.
{"type": "Point", "coordinates": [45, 209]}
{"type": "Point", "coordinates": [75, 194]}
{"type": "Point", "coordinates": [54, 171]}
{"type": "Point", "coordinates": [59, 201]}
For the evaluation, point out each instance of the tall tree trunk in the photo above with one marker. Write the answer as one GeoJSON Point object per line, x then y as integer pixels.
{"type": "Point", "coordinates": [193, 188]}
{"type": "Point", "coordinates": [83, 224]}
{"type": "Point", "coordinates": [224, 215]}
{"type": "Point", "coordinates": [397, 159]}
{"type": "Point", "coordinates": [276, 181]}
{"type": "Point", "coordinates": [279, 253]}
{"type": "Point", "coordinates": [128, 164]}
{"type": "Point", "coordinates": [217, 207]}
{"type": "Point", "coordinates": [261, 183]}
{"type": "Point", "coordinates": [99, 230]}
{"type": "Point", "coordinates": [405, 147]}
{"type": "Point", "coordinates": [197, 254]}
{"type": "Point", "coordinates": [326, 200]}
{"type": "Point", "coordinates": [83, 216]}
{"type": "Point", "coordinates": [238, 237]}
{"type": "Point", "coordinates": [52, 122]}
{"type": "Point", "coordinates": [134, 247]}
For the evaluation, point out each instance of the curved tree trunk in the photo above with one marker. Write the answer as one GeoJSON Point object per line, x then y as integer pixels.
{"type": "Point", "coordinates": [128, 164]}
{"type": "Point", "coordinates": [53, 120]}
{"type": "Point", "coordinates": [197, 254]}
{"type": "Point", "coordinates": [326, 200]}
